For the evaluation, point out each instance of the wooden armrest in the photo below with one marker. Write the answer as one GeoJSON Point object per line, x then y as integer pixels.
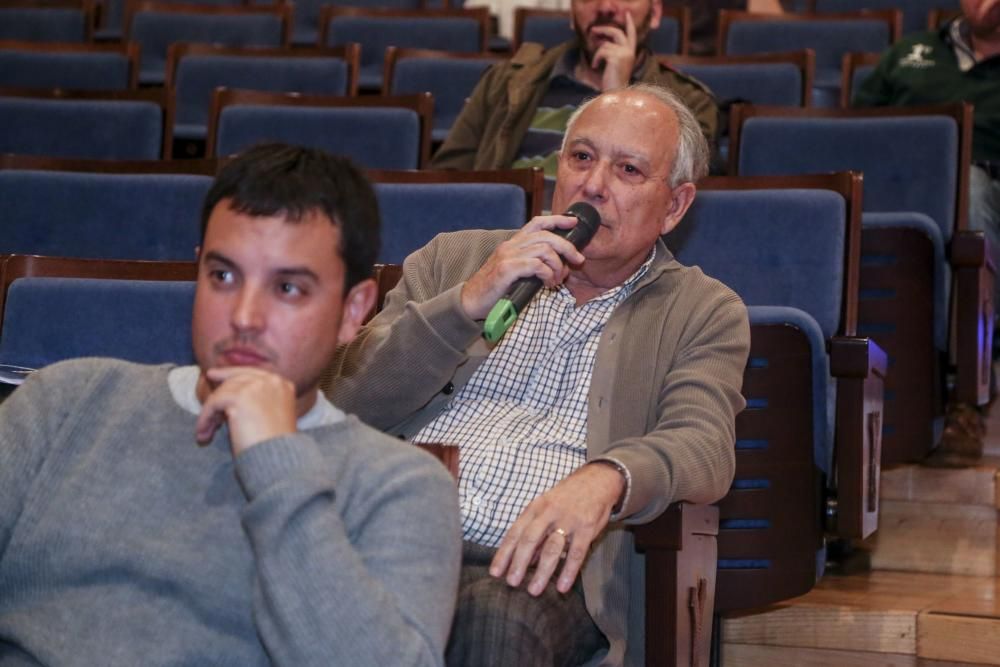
{"type": "Point", "coordinates": [446, 454]}
{"type": "Point", "coordinates": [974, 271]}
{"type": "Point", "coordinates": [681, 554]}
{"type": "Point", "coordinates": [860, 366]}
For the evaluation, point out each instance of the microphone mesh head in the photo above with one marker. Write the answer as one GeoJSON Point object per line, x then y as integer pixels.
{"type": "Point", "coordinates": [588, 220]}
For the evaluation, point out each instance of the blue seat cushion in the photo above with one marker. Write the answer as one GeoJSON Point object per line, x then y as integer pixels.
{"type": "Point", "coordinates": [51, 319]}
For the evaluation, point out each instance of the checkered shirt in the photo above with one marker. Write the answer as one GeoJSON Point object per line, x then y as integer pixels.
{"type": "Point", "coordinates": [521, 419]}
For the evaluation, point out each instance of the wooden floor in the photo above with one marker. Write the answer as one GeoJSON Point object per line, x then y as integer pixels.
{"type": "Point", "coordinates": [930, 599]}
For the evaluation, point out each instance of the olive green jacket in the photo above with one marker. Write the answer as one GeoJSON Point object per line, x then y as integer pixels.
{"type": "Point", "coordinates": [488, 132]}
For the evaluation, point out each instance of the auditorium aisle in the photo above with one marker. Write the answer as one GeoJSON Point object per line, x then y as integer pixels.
{"type": "Point", "coordinates": [931, 597]}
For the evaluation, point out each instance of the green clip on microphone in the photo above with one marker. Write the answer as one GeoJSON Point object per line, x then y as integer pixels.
{"type": "Point", "coordinates": [523, 290]}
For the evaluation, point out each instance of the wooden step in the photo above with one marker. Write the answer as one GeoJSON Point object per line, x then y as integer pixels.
{"type": "Point", "coordinates": [936, 520]}
{"type": "Point", "coordinates": [876, 618]}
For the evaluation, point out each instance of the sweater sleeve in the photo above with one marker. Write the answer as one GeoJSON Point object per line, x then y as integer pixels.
{"type": "Point", "coordinates": [379, 590]}
{"type": "Point", "coordinates": [30, 419]}
{"type": "Point", "coordinates": [690, 455]}
{"type": "Point", "coordinates": [409, 352]}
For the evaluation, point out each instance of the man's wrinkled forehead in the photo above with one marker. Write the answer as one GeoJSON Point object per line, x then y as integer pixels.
{"type": "Point", "coordinates": [656, 129]}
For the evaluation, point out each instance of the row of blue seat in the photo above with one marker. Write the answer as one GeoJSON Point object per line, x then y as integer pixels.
{"type": "Point", "coordinates": [156, 26]}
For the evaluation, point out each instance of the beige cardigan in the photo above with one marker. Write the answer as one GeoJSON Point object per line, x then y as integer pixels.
{"type": "Point", "coordinates": [663, 398]}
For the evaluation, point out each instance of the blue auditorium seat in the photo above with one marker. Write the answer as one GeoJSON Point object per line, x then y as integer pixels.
{"type": "Point", "coordinates": [56, 308]}
{"type": "Point", "coordinates": [122, 125]}
{"type": "Point", "coordinates": [414, 213]}
{"type": "Point", "coordinates": [914, 12]}
{"type": "Point", "coordinates": [194, 71]}
{"type": "Point", "coordinates": [102, 215]}
{"type": "Point", "coordinates": [157, 25]}
{"type": "Point", "coordinates": [449, 77]}
{"type": "Point", "coordinates": [830, 36]}
{"type": "Point", "coordinates": [73, 66]}
{"type": "Point", "coordinates": [789, 247]}
{"type": "Point", "coordinates": [376, 132]}
{"type": "Point", "coordinates": [459, 30]}
{"type": "Point", "coordinates": [57, 22]}
{"type": "Point", "coordinates": [913, 211]}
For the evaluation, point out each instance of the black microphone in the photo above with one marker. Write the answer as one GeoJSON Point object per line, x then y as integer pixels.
{"type": "Point", "coordinates": [523, 290]}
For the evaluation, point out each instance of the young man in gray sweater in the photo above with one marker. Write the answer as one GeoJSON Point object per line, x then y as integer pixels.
{"type": "Point", "coordinates": [227, 513]}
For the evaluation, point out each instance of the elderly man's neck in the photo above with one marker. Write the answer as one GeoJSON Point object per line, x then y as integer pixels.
{"type": "Point", "coordinates": [595, 278]}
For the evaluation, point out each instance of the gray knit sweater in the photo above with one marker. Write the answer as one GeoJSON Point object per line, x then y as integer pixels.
{"type": "Point", "coordinates": [122, 542]}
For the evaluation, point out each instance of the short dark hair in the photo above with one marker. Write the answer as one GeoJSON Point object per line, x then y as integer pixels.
{"type": "Point", "coordinates": [293, 181]}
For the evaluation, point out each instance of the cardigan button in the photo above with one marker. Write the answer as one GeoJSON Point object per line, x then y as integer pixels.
{"type": "Point", "coordinates": [448, 388]}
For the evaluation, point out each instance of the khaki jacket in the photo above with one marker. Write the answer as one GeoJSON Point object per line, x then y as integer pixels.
{"type": "Point", "coordinates": [663, 400]}
{"type": "Point", "coordinates": [488, 132]}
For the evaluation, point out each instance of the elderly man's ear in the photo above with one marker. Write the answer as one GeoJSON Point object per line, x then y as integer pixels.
{"type": "Point", "coordinates": [681, 198]}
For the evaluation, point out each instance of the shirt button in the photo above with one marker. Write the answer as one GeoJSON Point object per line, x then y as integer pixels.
{"type": "Point", "coordinates": [448, 388]}
{"type": "Point", "coordinates": [477, 501]}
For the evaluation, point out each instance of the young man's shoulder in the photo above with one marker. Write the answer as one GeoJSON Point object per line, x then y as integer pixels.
{"type": "Point", "coordinates": [98, 374]}
{"type": "Point", "coordinates": [383, 456]}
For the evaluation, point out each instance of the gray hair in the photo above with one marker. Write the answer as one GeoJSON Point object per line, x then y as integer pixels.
{"type": "Point", "coordinates": [691, 161]}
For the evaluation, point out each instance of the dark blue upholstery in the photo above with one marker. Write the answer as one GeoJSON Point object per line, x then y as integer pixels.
{"type": "Point", "coordinates": [155, 31]}
{"type": "Point", "coordinates": [113, 16]}
{"type": "Point", "coordinates": [38, 24]}
{"type": "Point", "coordinates": [942, 279]}
{"type": "Point", "coordinates": [903, 158]}
{"type": "Point", "coordinates": [772, 84]}
{"type": "Point", "coordinates": [776, 248]}
{"type": "Point", "coordinates": [101, 129]}
{"type": "Point", "coordinates": [306, 26]}
{"type": "Point", "coordinates": [199, 75]}
{"type": "Point", "coordinates": [914, 11]}
{"type": "Point", "coordinates": [64, 69]}
{"type": "Point", "coordinates": [51, 319]}
{"type": "Point", "coordinates": [861, 72]}
{"type": "Point", "coordinates": [552, 30]}
{"type": "Point", "coordinates": [412, 214]}
{"type": "Point", "coordinates": [449, 80]}
{"type": "Point", "coordinates": [829, 38]}
{"type": "Point", "coordinates": [376, 33]}
{"type": "Point", "coordinates": [108, 216]}
{"type": "Point", "coordinates": [376, 138]}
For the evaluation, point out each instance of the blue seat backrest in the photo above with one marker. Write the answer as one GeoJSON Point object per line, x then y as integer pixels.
{"type": "Point", "coordinates": [306, 22]}
{"type": "Point", "coordinates": [773, 84]}
{"type": "Point", "coordinates": [829, 38]}
{"type": "Point", "coordinates": [914, 11]}
{"type": "Point", "coordinates": [773, 247]}
{"type": "Point", "coordinates": [199, 75]}
{"type": "Point", "coordinates": [412, 214]}
{"type": "Point", "coordinates": [553, 30]}
{"type": "Point", "coordinates": [107, 216]}
{"type": "Point", "coordinates": [155, 31]}
{"type": "Point", "coordinates": [376, 33]}
{"type": "Point", "coordinates": [777, 248]}
{"type": "Point", "coordinates": [858, 76]}
{"type": "Point", "coordinates": [43, 24]}
{"type": "Point", "coordinates": [909, 163]}
{"type": "Point", "coordinates": [375, 138]}
{"type": "Point", "coordinates": [51, 319]}
{"type": "Point", "coordinates": [450, 81]}
{"type": "Point", "coordinates": [99, 129]}
{"type": "Point", "coordinates": [58, 69]}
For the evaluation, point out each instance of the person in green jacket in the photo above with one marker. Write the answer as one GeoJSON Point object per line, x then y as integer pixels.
{"type": "Point", "coordinates": [959, 62]}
